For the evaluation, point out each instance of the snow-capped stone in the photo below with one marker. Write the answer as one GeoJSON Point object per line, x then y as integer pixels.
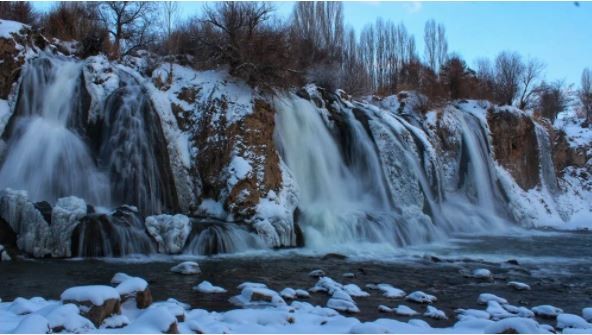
{"type": "Point", "coordinates": [342, 305]}
{"type": "Point", "coordinates": [384, 309]}
{"type": "Point", "coordinates": [66, 318]}
{"type": "Point", "coordinates": [484, 298]}
{"type": "Point", "coordinates": [288, 293]}
{"type": "Point", "coordinates": [154, 321]}
{"type": "Point", "coordinates": [207, 287]}
{"type": "Point", "coordinates": [120, 277]}
{"type": "Point", "coordinates": [355, 291]}
{"type": "Point", "coordinates": [388, 290]}
{"type": "Point", "coordinates": [4, 256]}
{"type": "Point", "coordinates": [587, 314]}
{"type": "Point", "coordinates": [348, 275]}
{"type": "Point", "coordinates": [547, 311]}
{"type": "Point", "coordinates": [317, 273]}
{"type": "Point", "coordinates": [519, 286]}
{"type": "Point", "coordinates": [257, 296]}
{"type": "Point", "coordinates": [326, 284]}
{"type": "Point", "coordinates": [496, 311]}
{"type": "Point", "coordinates": [96, 302]}
{"type": "Point", "coordinates": [251, 284]}
{"type": "Point", "coordinates": [565, 320]}
{"type": "Point", "coordinates": [186, 268]}
{"type": "Point", "coordinates": [434, 313]}
{"type": "Point", "coordinates": [300, 293]}
{"type": "Point", "coordinates": [482, 274]}
{"type": "Point", "coordinates": [131, 286]}
{"type": "Point", "coordinates": [515, 325]}
{"type": "Point", "coordinates": [115, 321]}
{"type": "Point", "coordinates": [464, 314]}
{"type": "Point", "coordinates": [169, 231]}
{"type": "Point", "coordinates": [33, 324]}
{"type": "Point", "coordinates": [405, 310]}
{"type": "Point", "coordinates": [421, 297]}
{"type": "Point", "coordinates": [521, 311]}
{"type": "Point", "coordinates": [22, 306]}
{"type": "Point", "coordinates": [173, 306]}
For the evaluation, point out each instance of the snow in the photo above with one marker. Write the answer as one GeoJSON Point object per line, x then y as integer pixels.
{"type": "Point", "coordinates": [7, 28]}
{"type": "Point", "coordinates": [65, 216]}
{"type": "Point", "coordinates": [288, 293]}
{"type": "Point", "coordinates": [519, 286]}
{"type": "Point", "coordinates": [207, 287]}
{"type": "Point", "coordinates": [482, 274]}
{"type": "Point", "coordinates": [421, 297]}
{"type": "Point", "coordinates": [434, 313]}
{"type": "Point", "coordinates": [405, 310]}
{"type": "Point", "coordinates": [68, 317]}
{"type": "Point", "coordinates": [32, 324]}
{"type": "Point", "coordinates": [342, 301]}
{"type": "Point", "coordinates": [571, 124]}
{"type": "Point", "coordinates": [520, 325]}
{"type": "Point", "coordinates": [384, 309]}
{"type": "Point", "coordinates": [389, 291]}
{"type": "Point", "coordinates": [120, 277]}
{"type": "Point", "coordinates": [152, 321]}
{"type": "Point", "coordinates": [484, 298]}
{"type": "Point", "coordinates": [169, 231]}
{"type": "Point", "coordinates": [355, 291]}
{"type": "Point", "coordinates": [467, 314]}
{"type": "Point", "coordinates": [348, 275]}
{"type": "Point", "coordinates": [317, 273]}
{"type": "Point", "coordinates": [186, 268]}
{"type": "Point", "coordinates": [547, 311]}
{"type": "Point", "coordinates": [257, 296]}
{"type": "Point", "coordinates": [4, 256]}
{"type": "Point", "coordinates": [587, 313]}
{"type": "Point", "coordinates": [238, 168]}
{"type": "Point", "coordinates": [565, 320]}
{"type": "Point", "coordinates": [326, 284]}
{"type": "Point", "coordinates": [96, 294]}
{"type": "Point", "coordinates": [496, 311]}
{"type": "Point", "coordinates": [132, 285]}
{"type": "Point", "coordinates": [300, 293]}
{"type": "Point", "coordinates": [115, 321]}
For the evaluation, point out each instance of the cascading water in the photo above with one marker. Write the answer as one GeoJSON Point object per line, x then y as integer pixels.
{"type": "Point", "coordinates": [132, 151]}
{"type": "Point", "coordinates": [44, 156]}
{"type": "Point", "coordinates": [341, 201]}
{"type": "Point", "coordinates": [547, 168]}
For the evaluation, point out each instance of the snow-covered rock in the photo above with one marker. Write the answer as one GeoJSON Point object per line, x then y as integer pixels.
{"type": "Point", "coordinates": [341, 301]}
{"type": "Point", "coordinates": [587, 314]}
{"type": "Point", "coordinates": [115, 321]}
{"type": "Point", "coordinates": [547, 311]}
{"type": "Point", "coordinates": [565, 320]}
{"type": "Point", "coordinates": [120, 277]}
{"type": "Point", "coordinates": [484, 298]}
{"type": "Point", "coordinates": [169, 231]}
{"type": "Point", "coordinates": [153, 320]}
{"type": "Point", "coordinates": [496, 311]}
{"type": "Point", "coordinates": [405, 310]}
{"type": "Point", "coordinates": [434, 313]}
{"type": "Point", "coordinates": [421, 297]}
{"type": "Point", "coordinates": [207, 287]}
{"type": "Point", "coordinates": [326, 284]}
{"type": "Point", "coordinates": [388, 290]}
{"type": "Point", "coordinates": [466, 314]}
{"type": "Point", "coordinates": [4, 256]}
{"type": "Point", "coordinates": [288, 293]}
{"type": "Point", "coordinates": [384, 309]}
{"type": "Point", "coordinates": [65, 216]}
{"type": "Point", "coordinates": [317, 273]}
{"type": "Point", "coordinates": [482, 274]}
{"type": "Point", "coordinates": [515, 325]}
{"type": "Point", "coordinates": [33, 324]}
{"type": "Point", "coordinates": [96, 302]}
{"type": "Point", "coordinates": [355, 291]}
{"type": "Point", "coordinates": [519, 286]}
{"type": "Point", "coordinates": [186, 268]}
{"type": "Point", "coordinates": [257, 296]}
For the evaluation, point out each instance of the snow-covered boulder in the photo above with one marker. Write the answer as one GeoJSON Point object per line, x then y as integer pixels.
{"type": "Point", "coordinates": [434, 313]}
{"type": "Point", "coordinates": [484, 298]}
{"type": "Point", "coordinates": [257, 296]}
{"type": "Point", "coordinates": [547, 311]}
{"type": "Point", "coordinates": [33, 324]}
{"type": "Point", "coordinates": [405, 310]}
{"type": "Point", "coordinates": [587, 314]}
{"type": "Point", "coordinates": [496, 311]}
{"type": "Point", "coordinates": [421, 297]}
{"type": "Point", "coordinates": [134, 287]}
{"type": "Point", "coordinates": [207, 287]}
{"type": "Point", "coordinates": [482, 274]}
{"type": "Point", "coordinates": [186, 268]}
{"type": "Point", "coordinates": [96, 302]}
{"type": "Point", "coordinates": [66, 318]}
{"type": "Point", "coordinates": [288, 293]}
{"type": "Point", "coordinates": [169, 231]}
{"type": "Point", "coordinates": [384, 309]}
{"type": "Point", "coordinates": [515, 326]}
{"type": "Point", "coordinates": [466, 314]}
{"type": "Point", "coordinates": [519, 286]}
{"type": "Point", "coordinates": [565, 320]}
{"type": "Point", "coordinates": [388, 290]}
{"type": "Point", "coordinates": [153, 321]}
{"type": "Point", "coordinates": [341, 301]}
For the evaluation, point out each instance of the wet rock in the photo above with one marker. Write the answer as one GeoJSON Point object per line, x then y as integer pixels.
{"type": "Point", "coordinates": [513, 262]}
{"type": "Point", "coordinates": [45, 209]}
{"type": "Point", "coordinates": [333, 256]}
{"type": "Point", "coordinates": [515, 145]}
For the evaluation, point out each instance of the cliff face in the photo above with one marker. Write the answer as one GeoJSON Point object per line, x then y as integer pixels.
{"type": "Point", "coordinates": [274, 170]}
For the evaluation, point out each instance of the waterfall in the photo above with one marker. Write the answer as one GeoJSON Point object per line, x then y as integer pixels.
{"type": "Point", "coordinates": [343, 192]}
{"type": "Point", "coordinates": [44, 155]}
{"type": "Point", "coordinates": [546, 168]}
{"type": "Point", "coordinates": [133, 152]}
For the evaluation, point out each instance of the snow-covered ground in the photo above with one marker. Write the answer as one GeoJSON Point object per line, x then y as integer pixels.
{"type": "Point", "coordinates": [266, 311]}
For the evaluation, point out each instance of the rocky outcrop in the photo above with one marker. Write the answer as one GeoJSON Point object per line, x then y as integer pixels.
{"type": "Point", "coordinates": [565, 155]}
{"type": "Point", "coordinates": [515, 145]}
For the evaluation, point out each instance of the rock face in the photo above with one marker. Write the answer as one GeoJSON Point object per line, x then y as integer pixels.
{"type": "Point", "coordinates": [515, 145]}
{"type": "Point", "coordinates": [565, 155]}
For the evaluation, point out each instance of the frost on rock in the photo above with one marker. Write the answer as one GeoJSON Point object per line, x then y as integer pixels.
{"type": "Point", "coordinates": [207, 287]}
{"type": "Point", "coordinates": [421, 297]}
{"type": "Point", "coordinates": [405, 310]}
{"type": "Point", "coordinates": [186, 268]}
{"type": "Point", "coordinates": [169, 231]}
{"type": "Point", "coordinates": [65, 216]}
{"type": "Point", "coordinates": [27, 222]}
{"type": "Point", "coordinates": [547, 311]}
{"type": "Point", "coordinates": [434, 313]}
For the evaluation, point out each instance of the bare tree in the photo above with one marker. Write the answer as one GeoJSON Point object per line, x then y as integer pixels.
{"type": "Point", "coordinates": [129, 23]}
{"type": "Point", "coordinates": [170, 13]}
{"type": "Point", "coordinates": [585, 93]}
{"type": "Point", "coordinates": [436, 46]}
{"type": "Point", "coordinates": [551, 99]}
{"type": "Point", "coordinates": [508, 73]}
{"type": "Point", "coordinates": [533, 70]}
{"type": "Point", "coordinates": [21, 11]}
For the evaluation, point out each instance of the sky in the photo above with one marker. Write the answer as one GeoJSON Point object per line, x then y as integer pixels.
{"type": "Point", "coordinates": [558, 33]}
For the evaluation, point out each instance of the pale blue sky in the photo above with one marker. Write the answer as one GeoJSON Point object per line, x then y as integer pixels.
{"type": "Point", "coordinates": [559, 33]}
